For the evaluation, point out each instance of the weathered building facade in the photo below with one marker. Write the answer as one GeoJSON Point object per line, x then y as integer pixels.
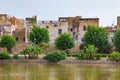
{"type": "Point", "coordinates": [54, 27]}
{"type": "Point", "coordinates": [28, 25]}
{"type": "Point", "coordinates": [11, 25]}
{"type": "Point", "coordinates": [76, 26]}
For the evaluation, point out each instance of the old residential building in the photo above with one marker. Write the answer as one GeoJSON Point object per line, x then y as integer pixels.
{"type": "Point", "coordinates": [12, 26]}
{"type": "Point", "coordinates": [54, 27]}
{"type": "Point", "coordinates": [76, 26]}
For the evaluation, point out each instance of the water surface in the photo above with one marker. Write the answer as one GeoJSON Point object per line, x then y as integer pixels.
{"type": "Point", "coordinates": [27, 71]}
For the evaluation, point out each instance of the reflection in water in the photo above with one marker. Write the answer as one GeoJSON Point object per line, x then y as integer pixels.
{"type": "Point", "coordinates": [25, 71]}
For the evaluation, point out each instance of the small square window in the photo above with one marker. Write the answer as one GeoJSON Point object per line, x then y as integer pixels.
{"type": "Point", "coordinates": [59, 31]}
{"type": "Point", "coordinates": [47, 26]}
{"type": "Point", "coordinates": [16, 38]}
{"type": "Point", "coordinates": [24, 39]}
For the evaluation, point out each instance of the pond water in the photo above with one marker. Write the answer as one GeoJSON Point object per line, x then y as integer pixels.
{"type": "Point", "coordinates": [27, 71]}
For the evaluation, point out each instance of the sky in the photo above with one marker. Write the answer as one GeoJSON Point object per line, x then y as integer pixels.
{"type": "Point", "coordinates": [106, 10]}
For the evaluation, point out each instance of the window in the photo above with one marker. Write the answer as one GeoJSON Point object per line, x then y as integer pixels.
{"type": "Point", "coordinates": [42, 21]}
{"type": "Point", "coordinates": [59, 31]}
{"type": "Point", "coordinates": [71, 29]}
{"type": "Point", "coordinates": [84, 28]}
{"type": "Point", "coordinates": [47, 26]}
{"type": "Point", "coordinates": [24, 39]}
{"type": "Point", "coordinates": [51, 22]}
{"type": "Point", "coordinates": [16, 38]}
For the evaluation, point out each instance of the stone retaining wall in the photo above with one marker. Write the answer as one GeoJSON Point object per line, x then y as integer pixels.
{"type": "Point", "coordinates": [61, 62]}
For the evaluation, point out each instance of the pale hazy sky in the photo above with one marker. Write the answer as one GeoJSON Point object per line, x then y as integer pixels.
{"type": "Point", "coordinates": [106, 10]}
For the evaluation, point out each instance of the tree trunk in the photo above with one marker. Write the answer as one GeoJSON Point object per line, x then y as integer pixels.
{"type": "Point", "coordinates": [91, 57]}
{"type": "Point", "coordinates": [9, 50]}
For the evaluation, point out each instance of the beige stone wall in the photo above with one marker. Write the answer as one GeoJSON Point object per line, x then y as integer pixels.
{"type": "Point", "coordinates": [53, 28]}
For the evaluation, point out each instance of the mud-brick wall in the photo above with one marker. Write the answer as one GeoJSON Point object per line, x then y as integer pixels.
{"type": "Point", "coordinates": [118, 22]}
{"type": "Point", "coordinates": [19, 35]}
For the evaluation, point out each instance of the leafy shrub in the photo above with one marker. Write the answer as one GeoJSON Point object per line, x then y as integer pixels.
{"type": "Point", "coordinates": [55, 56]}
{"type": "Point", "coordinates": [32, 51]}
{"type": "Point", "coordinates": [83, 56]}
{"type": "Point", "coordinates": [82, 45]}
{"type": "Point", "coordinates": [88, 52]}
{"type": "Point", "coordinates": [15, 56]}
{"type": "Point", "coordinates": [116, 39]}
{"type": "Point", "coordinates": [114, 56]}
{"type": "Point", "coordinates": [99, 55]}
{"type": "Point", "coordinates": [4, 55]}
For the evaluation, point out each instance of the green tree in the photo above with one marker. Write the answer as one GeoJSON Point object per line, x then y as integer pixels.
{"type": "Point", "coordinates": [38, 35]}
{"type": "Point", "coordinates": [98, 37]}
{"type": "Point", "coordinates": [7, 41]}
{"type": "Point", "coordinates": [116, 39]}
{"type": "Point", "coordinates": [64, 41]}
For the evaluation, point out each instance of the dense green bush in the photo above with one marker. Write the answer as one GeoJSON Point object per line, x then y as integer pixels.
{"type": "Point", "coordinates": [55, 56]}
{"type": "Point", "coordinates": [38, 35]}
{"type": "Point", "coordinates": [114, 56]}
{"type": "Point", "coordinates": [15, 56]}
{"type": "Point", "coordinates": [98, 37]}
{"type": "Point", "coordinates": [64, 41]}
{"type": "Point", "coordinates": [4, 55]}
{"type": "Point", "coordinates": [116, 39]}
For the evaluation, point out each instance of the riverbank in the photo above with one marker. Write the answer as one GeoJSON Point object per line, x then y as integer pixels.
{"type": "Point", "coordinates": [42, 61]}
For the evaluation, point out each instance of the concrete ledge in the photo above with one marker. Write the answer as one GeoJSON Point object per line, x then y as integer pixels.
{"type": "Point", "coordinates": [61, 62]}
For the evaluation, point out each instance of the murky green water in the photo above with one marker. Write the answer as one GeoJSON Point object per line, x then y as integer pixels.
{"type": "Point", "coordinates": [24, 71]}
